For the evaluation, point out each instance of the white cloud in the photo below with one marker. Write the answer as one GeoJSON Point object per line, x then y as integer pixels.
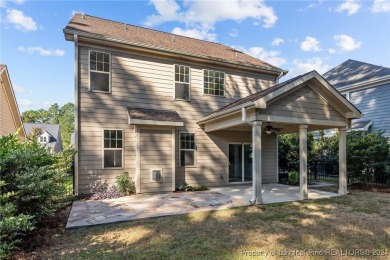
{"type": "Point", "coordinates": [3, 3]}
{"type": "Point", "coordinates": [331, 51]}
{"type": "Point", "coordinates": [27, 103]}
{"type": "Point", "coordinates": [303, 66]}
{"type": "Point", "coordinates": [347, 43]}
{"type": "Point", "coordinates": [310, 6]}
{"type": "Point", "coordinates": [198, 17]}
{"type": "Point", "coordinates": [199, 12]}
{"type": "Point", "coordinates": [19, 89]}
{"type": "Point", "coordinates": [233, 33]}
{"type": "Point", "coordinates": [42, 51]}
{"type": "Point", "coordinates": [351, 6]}
{"type": "Point", "coordinates": [201, 34]}
{"type": "Point", "coordinates": [20, 21]}
{"type": "Point", "coordinates": [272, 57]}
{"type": "Point", "coordinates": [380, 6]}
{"type": "Point", "coordinates": [310, 44]}
{"type": "Point", "coordinates": [277, 41]}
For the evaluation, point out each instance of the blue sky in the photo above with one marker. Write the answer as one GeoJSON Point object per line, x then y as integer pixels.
{"type": "Point", "coordinates": [294, 35]}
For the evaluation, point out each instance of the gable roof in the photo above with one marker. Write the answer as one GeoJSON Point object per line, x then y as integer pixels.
{"type": "Point", "coordinates": [10, 95]}
{"type": "Point", "coordinates": [98, 28]}
{"type": "Point", "coordinates": [270, 93]}
{"type": "Point", "coordinates": [353, 72]}
{"type": "Point", "coordinates": [51, 129]}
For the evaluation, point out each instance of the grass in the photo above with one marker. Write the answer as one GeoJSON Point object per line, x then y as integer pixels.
{"type": "Point", "coordinates": [357, 221]}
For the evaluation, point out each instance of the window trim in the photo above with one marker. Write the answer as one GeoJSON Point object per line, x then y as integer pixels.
{"type": "Point", "coordinates": [195, 150]}
{"type": "Point", "coordinates": [45, 141]}
{"type": "Point", "coordinates": [224, 84]}
{"type": "Point", "coordinates": [123, 148]}
{"type": "Point", "coordinates": [102, 72]}
{"type": "Point", "coordinates": [174, 83]}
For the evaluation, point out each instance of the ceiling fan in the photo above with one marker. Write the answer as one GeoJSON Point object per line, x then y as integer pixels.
{"type": "Point", "coordinates": [269, 128]}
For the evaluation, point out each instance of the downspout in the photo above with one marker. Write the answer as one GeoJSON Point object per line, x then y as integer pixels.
{"type": "Point", "coordinates": [281, 75]}
{"type": "Point", "coordinates": [76, 116]}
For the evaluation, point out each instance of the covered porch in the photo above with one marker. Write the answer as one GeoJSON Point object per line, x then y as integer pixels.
{"type": "Point", "coordinates": [304, 103]}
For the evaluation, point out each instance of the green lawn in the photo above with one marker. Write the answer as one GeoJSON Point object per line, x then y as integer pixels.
{"type": "Point", "coordinates": [357, 221]}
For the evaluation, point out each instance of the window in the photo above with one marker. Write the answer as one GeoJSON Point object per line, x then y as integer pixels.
{"type": "Point", "coordinates": [99, 71]}
{"type": "Point", "coordinates": [182, 82]}
{"type": "Point", "coordinates": [213, 83]}
{"type": "Point", "coordinates": [187, 149]}
{"type": "Point", "coordinates": [113, 149]}
{"type": "Point", "coordinates": [43, 139]}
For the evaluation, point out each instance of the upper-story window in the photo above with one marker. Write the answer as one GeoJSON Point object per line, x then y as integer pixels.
{"type": "Point", "coordinates": [43, 139]}
{"type": "Point", "coordinates": [100, 71]}
{"type": "Point", "coordinates": [182, 82]}
{"type": "Point", "coordinates": [213, 83]}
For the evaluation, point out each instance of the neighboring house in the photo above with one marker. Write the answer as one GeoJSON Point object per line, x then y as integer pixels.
{"type": "Point", "coordinates": [50, 135]}
{"type": "Point", "coordinates": [167, 108]}
{"type": "Point", "coordinates": [10, 120]}
{"type": "Point", "coordinates": [367, 86]}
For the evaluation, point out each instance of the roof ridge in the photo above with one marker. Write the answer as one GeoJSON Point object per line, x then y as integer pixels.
{"type": "Point", "coordinates": [155, 30]}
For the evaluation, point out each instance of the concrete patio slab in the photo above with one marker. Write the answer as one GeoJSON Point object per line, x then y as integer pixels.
{"type": "Point", "coordinates": [91, 213]}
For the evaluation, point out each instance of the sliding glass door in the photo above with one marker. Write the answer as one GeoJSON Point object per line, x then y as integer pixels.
{"type": "Point", "coordinates": [240, 163]}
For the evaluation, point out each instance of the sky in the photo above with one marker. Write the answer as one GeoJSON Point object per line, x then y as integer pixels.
{"type": "Point", "coordinates": [297, 36]}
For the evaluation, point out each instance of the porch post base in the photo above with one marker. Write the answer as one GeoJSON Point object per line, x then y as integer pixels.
{"type": "Point", "coordinates": [303, 196]}
{"type": "Point", "coordinates": [259, 200]}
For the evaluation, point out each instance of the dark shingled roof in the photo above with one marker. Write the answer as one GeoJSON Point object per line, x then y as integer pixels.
{"type": "Point", "coordinates": [256, 96]}
{"type": "Point", "coordinates": [155, 115]}
{"type": "Point", "coordinates": [353, 72]}
{"type": "Point", "coordinates": [161, 40]}
{"type": "Point", "coordinates": [52, 129]}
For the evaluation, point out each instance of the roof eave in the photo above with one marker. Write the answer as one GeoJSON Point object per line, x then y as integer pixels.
{"type": "Point", "coordinates": [366, 83]}
{"type": "Point", "coordinates": [151, 48]}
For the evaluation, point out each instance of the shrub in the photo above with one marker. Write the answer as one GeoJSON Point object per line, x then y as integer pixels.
{"type": "Point", "coordinates": [12, 226]}
{"type": "Point", "coordinates": [368, 158]}
{"type": "Point", "coordinates": [102, 191]}
{"type": "Point", "coordinates": [31, 184]}
{"type": "Point", "coordinates": [183, 186]}
{"type": "Point", "coordinates": [293, 177]}
{"type": "Point", "coordinates": [125, 185]}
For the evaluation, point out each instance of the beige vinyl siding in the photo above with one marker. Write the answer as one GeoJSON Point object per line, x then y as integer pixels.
{"type": "Point", "coordinates": [7, 123]}
{"type": "Point", "coordinates": [147, 82]}
{"type": "Point", "coordinates": [156, 153]}
{"type": "Point", "coordinates": [304, 103]}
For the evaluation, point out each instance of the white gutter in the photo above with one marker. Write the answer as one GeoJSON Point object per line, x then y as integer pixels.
{"type": "Point", "coordinates": [225, 112]}
{"type": "Point", "coordinates": [165, 50]}
{"type": "Point", "coordinates": [76, 115]}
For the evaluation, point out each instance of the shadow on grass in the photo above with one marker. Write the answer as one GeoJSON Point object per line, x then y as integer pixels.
{"type": "Point", "coordinates": [357, 221]}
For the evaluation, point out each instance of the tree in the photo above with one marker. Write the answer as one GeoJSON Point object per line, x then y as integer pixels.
{"type": "Point", "coordinates": [64, 116]}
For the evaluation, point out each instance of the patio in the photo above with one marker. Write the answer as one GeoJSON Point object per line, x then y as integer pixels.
{"type": "Point", "coordinates": [91, 213]}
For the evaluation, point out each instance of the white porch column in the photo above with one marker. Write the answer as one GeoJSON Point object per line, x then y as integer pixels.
{"type": "Point", "coordinates": [256, 162]}
{"type": "Point", "coordinates": [342, 161]}
{"type": "Point", "coordinates": [303, 162]}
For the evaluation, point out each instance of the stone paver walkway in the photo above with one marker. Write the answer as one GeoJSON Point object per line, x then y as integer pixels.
{"type": "Point", "coordinates": [90, 212]}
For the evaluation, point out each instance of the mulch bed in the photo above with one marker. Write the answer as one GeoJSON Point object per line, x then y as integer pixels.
{"type": "Point", "coordinates": [372, 188]}
{"type": "Point", "coordinates": [41, 236]}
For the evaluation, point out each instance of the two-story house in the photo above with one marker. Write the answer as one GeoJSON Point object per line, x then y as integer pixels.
{"type": "Point", "coordinates": [10, 121]}
{"type": "Point", "coordinates": [367, 86]}
{"type": "Point", "coordinates": [50, 135]}
{"type": "Point", "coordinates": [167, 108]}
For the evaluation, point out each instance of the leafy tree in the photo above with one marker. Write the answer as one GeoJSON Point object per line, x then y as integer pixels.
{"type": "Point", "coordinates": [64, 116]}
